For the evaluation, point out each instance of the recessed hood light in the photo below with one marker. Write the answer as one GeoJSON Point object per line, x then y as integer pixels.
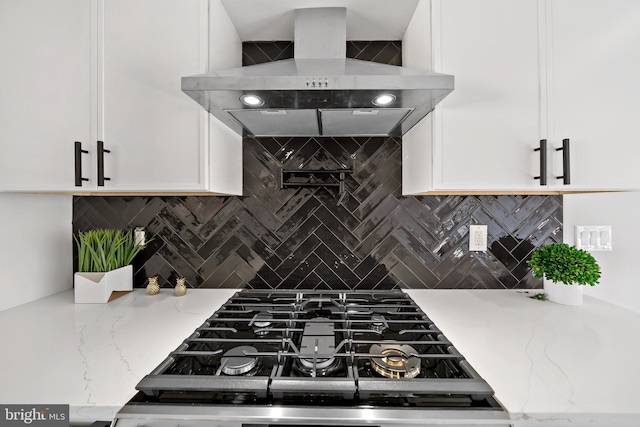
{"type": "Point", "coordinates": [251, 100]}
{"type": "Point", "coordinates": [384, 99]}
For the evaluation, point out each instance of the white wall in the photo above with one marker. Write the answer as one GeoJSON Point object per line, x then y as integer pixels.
{"type": "Point", "coordinates": [35, 247]}
{"type": "Point", "coordinates": [620, 281]}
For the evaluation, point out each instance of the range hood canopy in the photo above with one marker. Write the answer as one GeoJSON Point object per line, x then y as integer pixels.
{"type": "Point", "coordinates": [320, 92]}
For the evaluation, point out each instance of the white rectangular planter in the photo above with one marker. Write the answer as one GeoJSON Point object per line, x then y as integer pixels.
{"type": "Point", "coordinates": [97, 287]}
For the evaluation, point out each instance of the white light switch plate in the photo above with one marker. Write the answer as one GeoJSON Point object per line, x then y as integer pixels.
{"type": "Point", "coordinates": [477, 237]}
{"type": "Point", "coordinates": [593, 237]}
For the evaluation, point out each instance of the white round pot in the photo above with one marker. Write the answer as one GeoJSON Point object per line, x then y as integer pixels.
{"type": "Point", "coordinates": [563, 294]}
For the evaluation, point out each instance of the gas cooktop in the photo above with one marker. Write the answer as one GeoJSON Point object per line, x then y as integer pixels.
{"type": "Point", "coordinates": [344, 356]}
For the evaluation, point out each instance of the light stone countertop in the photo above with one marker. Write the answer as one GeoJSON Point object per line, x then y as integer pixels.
{"type": "Point", "coordinates": [550, 365]}
{"type": "Point", "coordinates": [91, 356]}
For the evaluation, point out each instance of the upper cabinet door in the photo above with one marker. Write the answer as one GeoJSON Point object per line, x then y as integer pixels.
{"type": "Point", "coordinates": [157, 136]}
{"type": "Point", "coordinates": [595, 64]}
{"type": "Point", "coordinates": [45, 100]}
{"type": "Point", "coordinates": [486, 129]}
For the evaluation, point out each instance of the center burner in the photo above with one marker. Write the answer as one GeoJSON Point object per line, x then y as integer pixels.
{"type": "Point", "coordinates": [317, 348]}
{"type": "Point", "coordinates": [396, 361]}
{"type": "Point", "coordinates": [262, 322]}
{"type": "Point", "coordinates": [378, 323]}
{"type": "Point", "coordinates": [238, 361]}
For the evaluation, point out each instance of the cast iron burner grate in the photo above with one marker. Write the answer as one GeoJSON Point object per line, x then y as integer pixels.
{"type": "Point", "coordinates": [316, 348]}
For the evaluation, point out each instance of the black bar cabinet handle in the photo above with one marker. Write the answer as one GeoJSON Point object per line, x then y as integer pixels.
{"type": "Point", "coordinates": [566, 162]}
{"type": "Point", "coordinates": [543, 162]}
{"type": "Point", "coordinates": [78, 163]}
{"type": "Point", "coordinates": [101, 151]}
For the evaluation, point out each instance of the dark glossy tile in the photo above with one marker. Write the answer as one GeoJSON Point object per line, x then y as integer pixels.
{"type": "Point", "coordinates": [300, 235]}
{"type": "Point", "coordinates": [217, 239]}
{"type": "Point", "coordinates": [383, 230]}
{"type": "Point", "coordinates": [332, 221]}
{"type": "Point", "coordinates": [329, 277]}
{"type": "Point", "coordinates": [454, 215]}
{"type": "Point", "coordinates": [332, 150]}
{"type": "Point", "coordinates": [226, 213]}
{"type": "Point", "coordinates": [252, 259]}
{"type": "Point", "coordinates": [503, 255]}
{"type": "Point", "coordinates": [386, 52]}
{"type": "Point", "coordinates": [297, 198]}
{"type": "Point", "coordinates": [304, 268]}
{"type": "Point", "coordinates": [342, 249]}
{"type": "Point", "coordinates": [340, 212]}
{"type": "Point", "coordinates": [297, 218]}
{"type": "Point", "coordinates": [337, 266]}
{"type": "Point", "coordinates": [177, 245]}
{"type": "Point", "coordinates": [180, 227]}
{"type": "Point", "coordinates": [253, 242]}
{"type": "Point", "coordinates": [416, 266]}
{"type": "Point", "coordinates": [386, 247]}
{"type": "Point", "coordinates": [485, 280]}
{"type": "Point", "coordinates": [407, 222]}
{"type": "Point", "coordinates": [377, 275]}
{"type": "Point", "coordinates": [229, 267]}
{"type": "Point", "coordinates": [301, 156]}
{"type": "Point", "coordinates": [448, 205]}
{"type": "Point", "coordinates": [401, 272]}
{"type": "Point", "coordinates": [262, 145]}
{"type": "Point", "coordinates": [217, 258]}
{"type": "Point", "coordinates": [180, 268]}
{"type": "Point", "coordinates": [293, 261]}
{"type": "Point", "coordinates": [260, 222]}
{"type": "Point", "coordinates": [378, 215]}
{"type": "Point", "coordinates": [261, 187]}
{"type": "Point", "coordinates": [384, 191]}
{"type": "Point", "coordinates": [457, 275]}
{"type": "Point", "coordinates": [349, 145]}
{"type": "Point", "coordinates": [431, 203]}
{"type": "Point", "coordinates": [259, 52]}
{"type": "Point", "coordinates": [258, 283]}
{"type": "Point", "coordinates": [232, 281]}
{"type": "Point", "coordinates": [268, 275]}
{"type": "Point", "coordinates": [365, 266]}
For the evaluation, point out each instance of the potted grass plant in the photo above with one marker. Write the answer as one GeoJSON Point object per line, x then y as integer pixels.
{"type": "Point", "coordinates": [566, 270]}
{"type": "Point", "coordinates": [104, 258]}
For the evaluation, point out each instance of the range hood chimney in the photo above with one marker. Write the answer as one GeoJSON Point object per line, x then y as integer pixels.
{"type": "Point", "coordinates": [320, 92]}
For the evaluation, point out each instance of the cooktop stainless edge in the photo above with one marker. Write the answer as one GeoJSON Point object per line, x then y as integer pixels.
{"type": "Point", "coordinates": [233, 416]}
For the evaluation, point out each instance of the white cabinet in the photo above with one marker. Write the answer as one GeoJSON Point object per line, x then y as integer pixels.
{"type": "Point", "coordinates": [594, 66]}
{"type": "Point", "coordinates": [485, 131]}
{"type": "Point", "coordinates": [527, 70]}
{"type": "Point", "coordinates": [156, 135]}
{"type": "Point", "coordinates": [158, 138]}
{"type": "Point", "coordinates": [110, 70]}
{"type": "Point", "coordinates": [45, 100]}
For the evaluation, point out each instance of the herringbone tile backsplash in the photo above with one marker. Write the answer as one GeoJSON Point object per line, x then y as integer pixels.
{"type": "Point", "coordinates": [311, 238]}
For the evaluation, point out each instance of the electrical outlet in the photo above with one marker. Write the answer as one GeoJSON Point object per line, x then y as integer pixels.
{"type": "Point", "coordinates": [477, 237]}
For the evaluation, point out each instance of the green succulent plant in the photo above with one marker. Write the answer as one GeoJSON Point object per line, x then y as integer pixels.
{"type": "Point", "coordinates": [560, 262]}
{"type": "Point", "coordinates": [105, 250]}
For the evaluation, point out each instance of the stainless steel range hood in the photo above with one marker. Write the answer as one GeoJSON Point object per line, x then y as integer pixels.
{"type": "Point", "coordinates": [320, 92]}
